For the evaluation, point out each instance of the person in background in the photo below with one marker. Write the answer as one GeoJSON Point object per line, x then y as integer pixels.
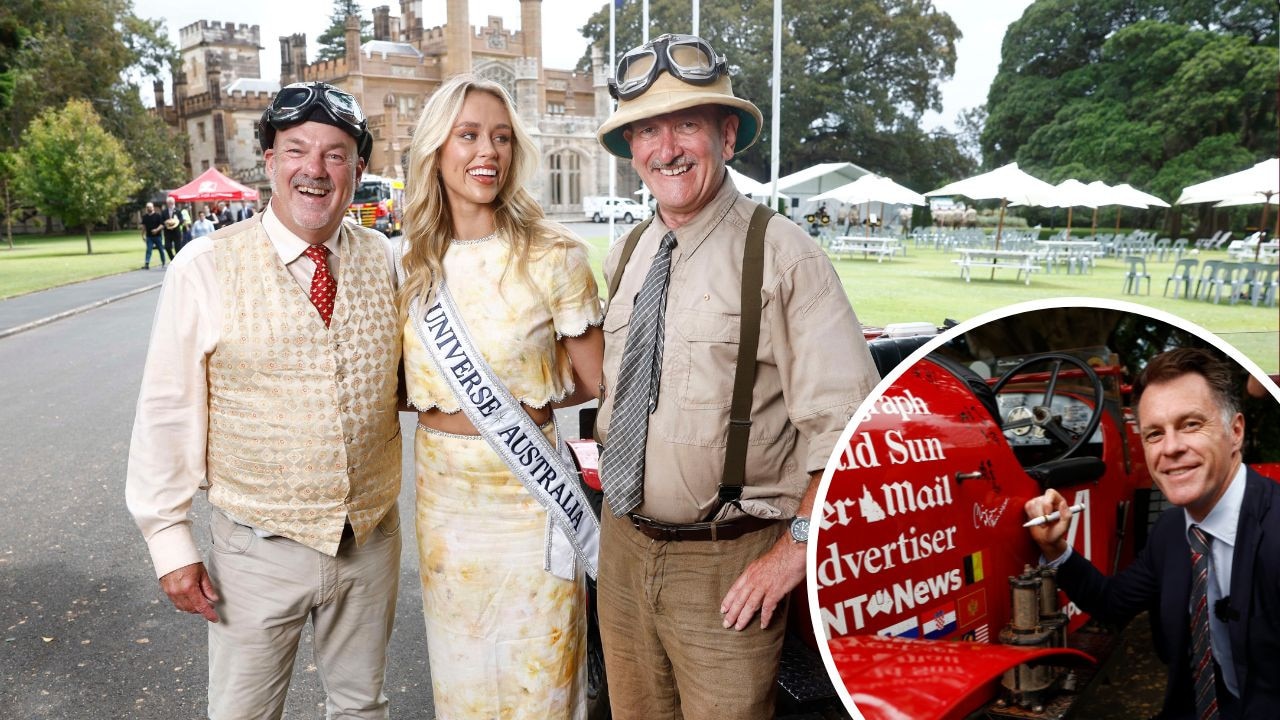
{"type": "Point", "coordinates": [152, 227]}
{"type": "Point", "coordinates": [502, 590]}
{"type": "Point", "coordinates": [202, 226]}
{"type": "Point", "coordinates": [172, 222]}
{"type": "Point", "coordinates": [1209, 574]}
{"type": "Point", "coordinates": [271, 381]}
{"type": "Point", "coordinates": [187, 220]}
{"type": "Point", "coordinates": [694, 575]}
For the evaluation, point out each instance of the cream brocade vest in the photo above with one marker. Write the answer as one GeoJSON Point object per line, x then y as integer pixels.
{"type": "Point", "coordinates": [304, 433]}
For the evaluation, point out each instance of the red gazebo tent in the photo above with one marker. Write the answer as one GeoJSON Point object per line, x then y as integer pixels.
{"type": "Point", "coordinates": [213, 185]}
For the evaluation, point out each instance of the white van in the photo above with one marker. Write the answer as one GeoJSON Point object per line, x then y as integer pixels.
{"type": "Point", "coordinates": [599, 208]}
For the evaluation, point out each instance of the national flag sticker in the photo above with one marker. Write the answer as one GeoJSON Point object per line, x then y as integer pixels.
{"type": "Point", "coordinates": [972, 607]}
{"type": "Point", "coordinates": [909, 628]}
{"type": "Point", "coordinates": [940, 622]}
{"type": "Point", "coordinates": [973, 568]}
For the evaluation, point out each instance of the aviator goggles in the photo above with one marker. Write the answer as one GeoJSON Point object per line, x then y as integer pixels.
{"type": "Point", "coordinates": [295, 103]}
{"type": "Point", "coordinates": [687, 57]}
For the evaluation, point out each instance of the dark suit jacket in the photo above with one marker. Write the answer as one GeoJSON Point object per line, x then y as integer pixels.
{"type": "Point", "coordinates": [1159, 581]}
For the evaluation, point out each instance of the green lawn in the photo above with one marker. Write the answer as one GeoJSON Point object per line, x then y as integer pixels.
{"type": "Point", "coordinates": [38, 262]}
{"type": "Point", "coordinates": [926, 286]}
{"type": "Point", "coordinates": [923, 286]}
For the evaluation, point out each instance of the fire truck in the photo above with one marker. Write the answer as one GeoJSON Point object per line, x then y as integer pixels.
{"type": "Point", "coordinates": [925, 597]}
{"type": "Point", "coordinates": [378, 204]}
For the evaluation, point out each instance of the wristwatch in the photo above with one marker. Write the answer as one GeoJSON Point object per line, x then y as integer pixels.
{"type": "Point", "coordinates": [799, 529]}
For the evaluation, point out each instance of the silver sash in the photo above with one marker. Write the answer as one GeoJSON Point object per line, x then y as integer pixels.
{"type": "Point", "coordinates": [572, 528]}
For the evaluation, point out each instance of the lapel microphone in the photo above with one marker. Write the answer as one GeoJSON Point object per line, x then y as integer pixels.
{"type": "Point", "coordinates": [1222, 610]}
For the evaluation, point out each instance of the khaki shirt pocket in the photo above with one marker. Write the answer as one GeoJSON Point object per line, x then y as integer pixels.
{"type": "Point", "coordinates": [704, 359]}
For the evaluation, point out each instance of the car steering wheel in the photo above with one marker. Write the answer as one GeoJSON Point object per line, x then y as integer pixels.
{"type": "Point", "coordinates": [1042, 415]}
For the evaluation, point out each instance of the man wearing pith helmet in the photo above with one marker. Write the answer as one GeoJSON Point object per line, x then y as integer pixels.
{"type": "Point", "coordinates": [696, 562]}
{"type": "Point", "coordinates": [271, 382]}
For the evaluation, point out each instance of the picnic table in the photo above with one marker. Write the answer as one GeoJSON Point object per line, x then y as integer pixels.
{"type": "Point", "coordinates": [1024, 261]}
{"type": "Point", "coordinates": [880, 246]}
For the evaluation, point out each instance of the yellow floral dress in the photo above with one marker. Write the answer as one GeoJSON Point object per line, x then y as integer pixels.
{"type": "Point", "coordinates": [505, 638]}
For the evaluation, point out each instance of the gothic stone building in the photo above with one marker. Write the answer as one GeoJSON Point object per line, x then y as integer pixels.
{"type": "Point", "coordinates": [218, 94]}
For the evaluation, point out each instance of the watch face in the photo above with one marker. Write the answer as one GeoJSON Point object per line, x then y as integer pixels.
{"type": "Point", "coordinates": [800, 529]}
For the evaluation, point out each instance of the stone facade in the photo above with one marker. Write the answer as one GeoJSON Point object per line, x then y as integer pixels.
{"type": "Point", "coordinates": [218, 95]}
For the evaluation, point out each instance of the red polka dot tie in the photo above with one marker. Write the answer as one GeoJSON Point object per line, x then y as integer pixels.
{"type": "Point", "coordinates": [324, 289]}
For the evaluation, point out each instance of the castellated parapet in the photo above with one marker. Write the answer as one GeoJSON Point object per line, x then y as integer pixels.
{"type": "Point", "coordinates": [216, 33]}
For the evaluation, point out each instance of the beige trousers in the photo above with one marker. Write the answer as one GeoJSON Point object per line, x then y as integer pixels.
{"type": "Point", "coordinates": [667, 654]}
{"type": "Point", "coordinates": [269, 588]}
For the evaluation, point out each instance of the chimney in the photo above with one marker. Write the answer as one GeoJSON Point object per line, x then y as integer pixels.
{"type": "Point", "coordinates": [353, 42]}
{"type": "Point", "coordinates": [382, 23]}
{"type": "Point", "coordinates": [157, 87]}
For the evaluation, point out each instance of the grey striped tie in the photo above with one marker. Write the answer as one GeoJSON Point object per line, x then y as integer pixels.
{"type": "Point", "coordinates": [635, 394]}
{"type": "Point", "coordinates": [1201, 650]}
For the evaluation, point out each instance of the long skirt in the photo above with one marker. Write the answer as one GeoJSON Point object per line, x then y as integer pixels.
{"type": "Point", "coordinates": [505, 638]}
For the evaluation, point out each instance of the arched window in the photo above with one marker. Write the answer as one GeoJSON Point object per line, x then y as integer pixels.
{"type": "Point", "coordinates": [500, 74]}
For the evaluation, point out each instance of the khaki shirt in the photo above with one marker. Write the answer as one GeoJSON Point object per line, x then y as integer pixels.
{"type": "Point", "coordinates": [813, 367]}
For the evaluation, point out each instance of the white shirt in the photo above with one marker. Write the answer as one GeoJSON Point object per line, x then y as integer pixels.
{"type": "Point", "coordinates": [1221, 523]}
{"type": "Point", "coordinates": [167, 450]}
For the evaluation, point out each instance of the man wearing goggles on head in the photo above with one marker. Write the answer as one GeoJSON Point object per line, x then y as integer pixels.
{"type": "Point", "coordinates": [272, 378]}
{"type": "Point", "coordinates": [703, 531]}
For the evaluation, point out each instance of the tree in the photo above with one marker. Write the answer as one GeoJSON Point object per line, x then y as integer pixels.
{"type": "Point", "coordinates": [333, 41]}
{"type": "Point", "coordinates": [857, 77]}
{"type": "Point", "coordinates": [1160, 94]}
{"type": "Point", "coordinates": [75, 49]}
{"type": "Point", "coordinates": [72, 168]}
{"type": "Point", "coordinates": [157, 149]}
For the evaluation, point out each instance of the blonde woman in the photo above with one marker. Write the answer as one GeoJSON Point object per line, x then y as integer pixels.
{"type": "Point", "coordinates": [506, 637]}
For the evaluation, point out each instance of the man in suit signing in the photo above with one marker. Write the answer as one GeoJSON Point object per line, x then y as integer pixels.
{"type": "Point", "coordinates": [1210, 573]}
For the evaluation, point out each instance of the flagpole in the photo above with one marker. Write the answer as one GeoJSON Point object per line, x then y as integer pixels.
{"type": "Point", "coordinates": [644, 38]}
{"type": "Point", "coordinates": [775, 115]}
{"type": "Point", "coordinates": [613, 160]}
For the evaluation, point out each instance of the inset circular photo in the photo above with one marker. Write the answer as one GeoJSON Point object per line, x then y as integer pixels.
{"type": "Point", "coordinates": [1055, 510]}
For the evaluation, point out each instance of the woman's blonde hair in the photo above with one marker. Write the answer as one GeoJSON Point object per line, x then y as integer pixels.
{"type": "Point", "coordinates": [428, 222]}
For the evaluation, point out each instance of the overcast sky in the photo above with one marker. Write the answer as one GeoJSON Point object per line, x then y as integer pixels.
{"type": "Point", "coordinates": [982, 23]}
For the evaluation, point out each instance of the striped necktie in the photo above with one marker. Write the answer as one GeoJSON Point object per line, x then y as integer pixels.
{"type": "Point", "coordinates": [1201, 649]}
{"type": "Point", "coordinates": [635, 394]}
{"type": "Point", "coordinates": [324, 289]}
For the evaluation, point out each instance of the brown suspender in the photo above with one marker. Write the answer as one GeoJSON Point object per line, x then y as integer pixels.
{"type": "Point", "coordinates": [744, 376]}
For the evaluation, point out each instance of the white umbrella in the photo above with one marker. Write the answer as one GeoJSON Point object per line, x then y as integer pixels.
{"type": "Point", "coordinates": [1007, 184]}
{"type": "Point", "coordinates": [1129, 196]}
{"type": "Point", "coordinates": [1262, 182]}
{"type": "Point", "coordinates": [1072, 193]}
{"type": "Point", "coordinates": [1257, 185]}
{"type": "Point", "coordinates": [873, 188]}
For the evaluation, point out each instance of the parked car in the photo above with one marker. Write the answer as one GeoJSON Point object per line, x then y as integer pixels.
{"type": "Point", "coordinates": [600, 208]}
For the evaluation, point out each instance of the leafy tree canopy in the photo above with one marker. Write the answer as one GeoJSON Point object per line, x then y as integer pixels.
{"type": "Point", "coordinates": [53, 51]}
{"type": "Point", "coordinates": [1160, 94]}
{"type": "Point", "coordinates": [75, 49]}
{"type": "Point", "coordinates": [857, 75]}
{"type": "Point", "coordinates": [72, 168]}
{"type": "Point", "coordinates": [333, 41]}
